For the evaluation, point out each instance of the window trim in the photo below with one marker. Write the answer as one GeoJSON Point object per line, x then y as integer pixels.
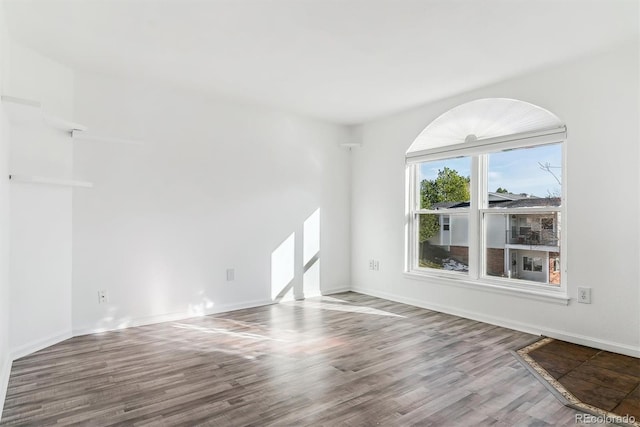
{"type": "Point", "coordinates": [490, 286]}
{"type": "Point", "coordinates": [476, 276]}
{"type": "Point", "coordinates": [482, 146]}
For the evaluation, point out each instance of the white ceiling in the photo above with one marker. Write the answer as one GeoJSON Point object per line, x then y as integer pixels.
{"type": "Point", "coordinates": [346, 61]}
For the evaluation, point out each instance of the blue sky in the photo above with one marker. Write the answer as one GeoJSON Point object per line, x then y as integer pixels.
{"type": "Point", "coordinates": [517, 171]}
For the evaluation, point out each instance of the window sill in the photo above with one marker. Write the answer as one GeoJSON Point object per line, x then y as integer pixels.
{"type": "Point", "coordinates": [555, 297]}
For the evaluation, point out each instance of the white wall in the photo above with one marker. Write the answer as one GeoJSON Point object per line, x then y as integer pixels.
{"type": "Point", "coordinates": [40, 236]}
{"type": "Point", "coordinates": [597, 97]}
{"type": "Point", "coordinates": [459, 228]}
{"type": "Point", "coordinates": [497, 230]}
{"type": "Point", "coordinates": [5, 356]}
{"type": "Point", "coordinates": [215, 185]}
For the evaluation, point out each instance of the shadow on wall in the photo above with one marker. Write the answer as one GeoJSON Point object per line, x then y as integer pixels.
{"type": "Point", "coordinates": [311, 255]}
{"type": "Point", "coordinates": [283, 262]}
{"type": "Point", "coordinates": [283, 270]}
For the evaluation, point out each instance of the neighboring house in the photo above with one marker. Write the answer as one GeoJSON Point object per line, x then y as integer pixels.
{"type": "Point", "coordinates": [519, 245]}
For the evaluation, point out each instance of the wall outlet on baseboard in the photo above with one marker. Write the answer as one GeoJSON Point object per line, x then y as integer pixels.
{"type": "Point", "coordinates": [374, 265]}
{"type": "Point", "coordinates": [584, 295]}
{"type": "Point", "coordinates": [103, 298]}
{"type": "Point", "coordinates": [231, 274]}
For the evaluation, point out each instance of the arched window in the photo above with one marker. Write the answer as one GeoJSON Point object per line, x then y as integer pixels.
{"type": "Point", "coordinates": [485, 196]}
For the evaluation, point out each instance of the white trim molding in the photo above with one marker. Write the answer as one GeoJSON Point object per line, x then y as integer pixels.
{"type": "Point", "coordinates": [5, 373]}
{"type": "Point", "coordinates": [490, 145]}
{"type": "Point", "coordinates": [335, 290]}
{"type": "Point", "coordinates": [508, 288]}
{"type": "Point", "coordinates": [36, 345]}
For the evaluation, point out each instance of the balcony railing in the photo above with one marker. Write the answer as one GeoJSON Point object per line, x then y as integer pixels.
{"type": "Point", "coordinates": [532, 238]}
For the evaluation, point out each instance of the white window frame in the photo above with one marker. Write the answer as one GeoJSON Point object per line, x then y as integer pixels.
{"type": "Point", "coordinates": [476, 277]}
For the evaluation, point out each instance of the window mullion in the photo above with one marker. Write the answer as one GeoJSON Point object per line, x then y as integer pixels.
{"type": "Point", "coordinates": [411, 206]}
{"type": "Point", "coordinates": [475, 240]}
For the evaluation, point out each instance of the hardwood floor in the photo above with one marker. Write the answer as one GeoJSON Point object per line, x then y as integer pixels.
{"type": "Point", "coordinates": [347, 359]}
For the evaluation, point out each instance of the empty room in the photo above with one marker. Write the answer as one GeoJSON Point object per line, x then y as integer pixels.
{"type": "Point", "coordinates": [319, 212]}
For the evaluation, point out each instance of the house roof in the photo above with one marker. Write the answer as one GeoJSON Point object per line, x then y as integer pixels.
{"type": "Point", "coordinates": [506, 201]}
{"type": "Point", "coordinates": [449, 205]}
{"type": "Point", "coordinates": [506, 196]}
{"type": "Point", "coordinates": [530, 202]}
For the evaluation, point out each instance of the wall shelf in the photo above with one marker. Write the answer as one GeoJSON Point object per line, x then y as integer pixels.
{"type": "Point", "coordinates": [33, 179]}
{"type": "Point", "coordinates": [29, 112]}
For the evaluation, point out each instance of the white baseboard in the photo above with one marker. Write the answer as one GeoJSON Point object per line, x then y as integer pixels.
{"type": "Point", "coordinates": [21, 351]}
{"type": "Point", "coordinates": [34, 346]}
{"type": "Point", "coordinates": [5, 371]}
{"type": "Point", "coordinates": [336, 290]}
{"type": "Point", "coordinates": [592, 342]}
{"type": "Point", "coordinates": [169, 317]}
{"type": "Point", "coordinates": [508, 323]}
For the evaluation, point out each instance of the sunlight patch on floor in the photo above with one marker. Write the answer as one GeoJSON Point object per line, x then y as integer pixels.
{"type": "Point", "coordinates": [245, 335]}
{"type": "Point", "coordinates": [343, 307]}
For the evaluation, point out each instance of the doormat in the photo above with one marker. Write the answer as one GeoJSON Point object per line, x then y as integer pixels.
{"type": "Point", "coordinates": [564, 378]}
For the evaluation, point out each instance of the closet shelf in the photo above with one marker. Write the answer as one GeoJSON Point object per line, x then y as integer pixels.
{"type": "Point", "coordinates": [33, 179]}
{"type": "Point", "coordinates": [28, 112]}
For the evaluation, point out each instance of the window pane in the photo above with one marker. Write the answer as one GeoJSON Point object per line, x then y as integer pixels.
{"type": "Point", "coordinates": [523, 246]}
{"type": "Point", "coordinates": [444, 183]}
{"type": "Point", "coordinates": [528, 177]}
{"type": "Point", "coordinates": [443, 248]}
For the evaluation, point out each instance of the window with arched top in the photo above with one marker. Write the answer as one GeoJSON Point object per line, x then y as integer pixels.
{"type": "Point", "coordinates": [485, 196]}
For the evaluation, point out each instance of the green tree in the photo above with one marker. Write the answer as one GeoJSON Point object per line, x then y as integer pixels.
{"type": "Point", "coordinates": [448, 186]}
{"type": "Point", "coordinates": [502, 190]}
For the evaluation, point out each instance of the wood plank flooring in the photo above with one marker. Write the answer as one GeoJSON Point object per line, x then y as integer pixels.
{"type": "Point", "coordinates": [347, 359]}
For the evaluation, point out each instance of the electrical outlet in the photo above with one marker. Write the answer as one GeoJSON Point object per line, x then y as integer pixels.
{"type": "Point", "coordinates": [376, 265]}
{"type": "Point", "coordinates": [372, 264]}
{"type": "Point", "coordinates": [103, 298]}
{"type": "Point", "coordinates": [231, 274]}
{"type": "Point", "coordinates": [584, 295]}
